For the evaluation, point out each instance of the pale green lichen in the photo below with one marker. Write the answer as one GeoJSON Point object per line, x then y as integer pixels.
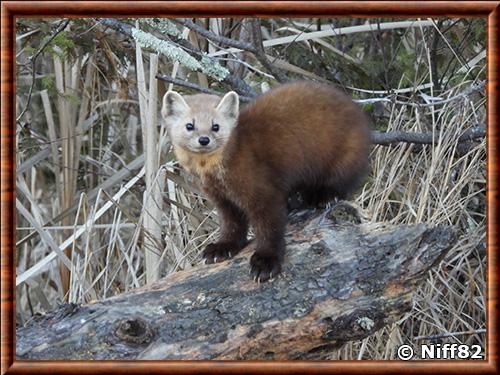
{"type": "Point", "coordinates": [211, 67]}
{"type": "Point", "coordinates": [163, 25]}
{"type": "Point", "coordinates": [365, 323]}
{"type": "Point", "coordinates": [207, 65]}
{"type": "Point", "coordinates": [172, 52]}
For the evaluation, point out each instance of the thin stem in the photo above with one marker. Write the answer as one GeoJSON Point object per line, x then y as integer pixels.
{"type": "Point", "coordinates": [33, 62]}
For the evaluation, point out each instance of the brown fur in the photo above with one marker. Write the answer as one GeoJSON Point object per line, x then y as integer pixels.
{"type": "Point", "coordinates": [301, 137]}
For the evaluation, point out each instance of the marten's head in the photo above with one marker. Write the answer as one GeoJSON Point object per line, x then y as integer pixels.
{"type": "Point", "coordinates": [200, 123]}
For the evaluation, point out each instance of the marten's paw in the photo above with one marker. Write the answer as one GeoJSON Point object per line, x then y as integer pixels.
{"type": "Point", "coordinates": [220, 251]}
{"type": "Point", "coordinates": [264, 267]}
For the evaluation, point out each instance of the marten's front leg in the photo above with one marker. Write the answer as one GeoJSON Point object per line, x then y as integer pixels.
{"type": "Point", "coordinates": [268, 219]}
{"type": "Point", "coordinates": [233, 237]}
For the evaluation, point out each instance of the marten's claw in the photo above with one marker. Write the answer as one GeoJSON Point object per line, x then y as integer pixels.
{"type": "Point", "coordinates": [220, 251]}
{"type": "Point", "coordinates": [264, 267]}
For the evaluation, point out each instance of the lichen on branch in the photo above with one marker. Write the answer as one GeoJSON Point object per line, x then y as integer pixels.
{"type": "Point", "coordinates": [163, 25]}
{"type": "Point", "coordinates": [207, 64]}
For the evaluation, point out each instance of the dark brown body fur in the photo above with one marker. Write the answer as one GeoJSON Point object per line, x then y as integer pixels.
{"type": "Point", "coordinates": [301, 137]}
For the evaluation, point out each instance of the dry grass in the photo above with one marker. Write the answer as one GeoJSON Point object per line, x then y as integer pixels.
{"type": "Point", "coordinates": [109, 228]}
{"type": "Point", "coordinates": [441, 184]}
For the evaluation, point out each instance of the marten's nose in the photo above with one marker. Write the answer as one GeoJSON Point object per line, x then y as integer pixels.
{"type": "Point", "coordinates": [204, 141]}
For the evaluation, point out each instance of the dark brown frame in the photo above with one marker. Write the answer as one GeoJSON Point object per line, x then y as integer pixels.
{"type": "Point", "coordinates": [12, 9]}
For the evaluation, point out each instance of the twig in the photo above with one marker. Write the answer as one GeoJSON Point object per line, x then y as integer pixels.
{"type": "Point", "coordinates": [430, 101]}
{"type": "Point", "coordinates": [260, 53]}
{"type": "Point", "coordinates": [434, 56]}
{"type": "Point", "coordinates": [393, 137]}
{"type": "Point", "coordinates": [33, 62]}
{"type": "Point", "coordinates": [117, 25]}
{"type": "Point", "coordinates": [437, 29]}
{"type": "Point", "coordinates": [449, 334]}
{"type": "Point", "coordinates": [256, 48]}
{"type": "Point", "coordinates": [249, 66]}
{"type": "Point", "coordinates": [473, 88]}
{"type": "Point", "coordinates": [234, 82]}
{"type": "Point", "coordinates": [216, 38]}
{"type": "Point", "coordinates": [240, 86]}
{"type": "Point", "coordinates": [396, 91]}
{"type": "Point", "coordinates": [194, 86]}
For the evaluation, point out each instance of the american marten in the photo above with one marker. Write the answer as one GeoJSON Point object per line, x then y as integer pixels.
{"type": "Point", "coordinates": [300, 138]}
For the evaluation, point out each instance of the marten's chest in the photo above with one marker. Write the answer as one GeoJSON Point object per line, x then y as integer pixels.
{"type": "Point", "coordinates": [215, 178]}
{"type": "Point", "coordinates": [201, 165]}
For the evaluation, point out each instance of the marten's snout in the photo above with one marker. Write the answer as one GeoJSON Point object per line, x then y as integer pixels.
{"type": "Point", "coordinates": [204, 141]}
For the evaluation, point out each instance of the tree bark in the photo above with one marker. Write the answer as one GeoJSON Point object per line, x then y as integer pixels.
{"type": "Point", "coordinates": [342, 280]}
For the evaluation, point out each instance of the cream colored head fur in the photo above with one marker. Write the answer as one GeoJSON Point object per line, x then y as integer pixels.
{"type": "Point", "coordinates": [195, 119]}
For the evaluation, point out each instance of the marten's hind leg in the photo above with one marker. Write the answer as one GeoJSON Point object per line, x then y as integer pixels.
{"type": "Point", "coordinates": [331, 183]}
{"type": "Point", "coordinates": [318, 197]}
{"type": "Point", "coordinates": [334, 189]}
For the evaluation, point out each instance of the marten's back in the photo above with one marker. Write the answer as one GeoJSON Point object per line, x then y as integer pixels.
{"type": "Point", "coordinates": [302, 132]}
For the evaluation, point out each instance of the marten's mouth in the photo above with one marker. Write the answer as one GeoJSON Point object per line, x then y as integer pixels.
{"type": "Point", "coordinates": [203, 150]}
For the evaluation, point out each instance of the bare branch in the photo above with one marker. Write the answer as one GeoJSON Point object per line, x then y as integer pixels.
{"type": "Point", "coordinates": [260, 53]}
{"type": "Point", "coordinates": [256, 48]}
{"type": "Point", "coordinates": [239, 86]}
{"type": "Point", "coordinates": [393, 137]}
{"type": "Point", "coordinates": [194, 86]}
{"type": "Point", "coordinates": [214, 37]}
{"type": "Point", "coordinates": [430, 101]}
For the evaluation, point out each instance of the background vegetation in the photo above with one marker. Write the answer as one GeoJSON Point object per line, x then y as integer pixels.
{"type": "Point", "coordinates": [103, 207]}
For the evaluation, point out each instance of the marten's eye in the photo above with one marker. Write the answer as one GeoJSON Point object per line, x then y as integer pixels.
{"type": "Point", "coordinates": [189, 126]}
{"type": "Point", "coordinates": [215, 127]}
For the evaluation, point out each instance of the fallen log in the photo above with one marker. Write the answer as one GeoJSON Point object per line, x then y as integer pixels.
{"type": "Point", "coordinates": [341, 281]}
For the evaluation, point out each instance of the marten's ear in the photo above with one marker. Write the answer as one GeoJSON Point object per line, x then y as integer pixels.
{"type": "Point", "coordinates": [229, 105]}
{"type": "Point", "coordinates": [173, 104]}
